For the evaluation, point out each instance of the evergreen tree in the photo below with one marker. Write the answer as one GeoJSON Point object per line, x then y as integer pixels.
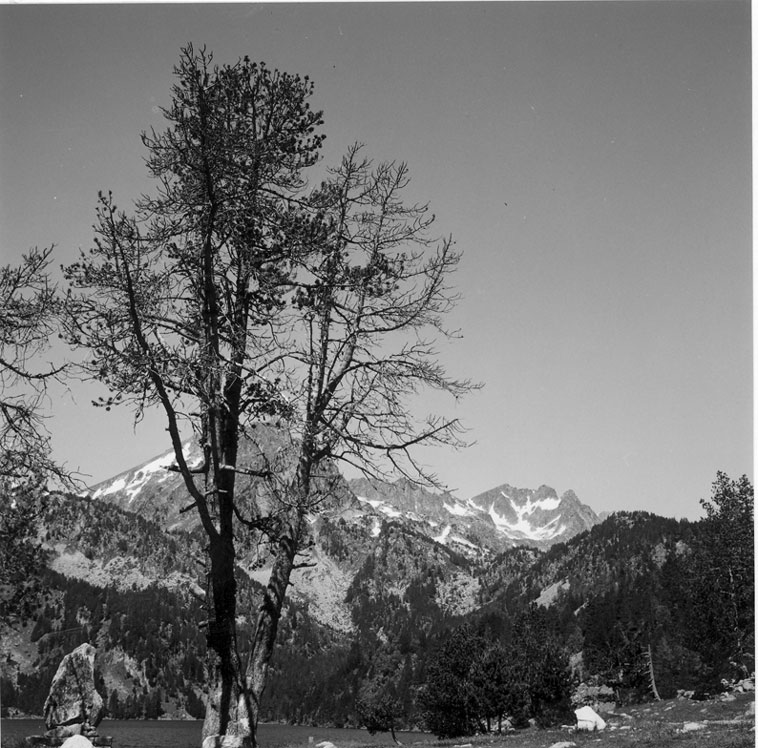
{"type": "Point", "coordinates": [538, 678]}
{"type": "Point", "coordinates": [449, 699]}
{"type": "Point", "coordinates": [725, 579]}
{"type": "Point", "coordinates": [492, 686]}
{"type": "Point", "coordinates": [379, 708]}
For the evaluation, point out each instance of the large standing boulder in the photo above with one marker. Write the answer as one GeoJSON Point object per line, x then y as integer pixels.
{"type": "Point", "coordinates": [73, 701]}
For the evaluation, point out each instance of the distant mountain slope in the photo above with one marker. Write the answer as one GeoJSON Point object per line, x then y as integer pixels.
{"type": "Point", "coordinates": [492, 521]}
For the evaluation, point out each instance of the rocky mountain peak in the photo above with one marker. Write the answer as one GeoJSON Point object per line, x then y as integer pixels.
{"type": "Point", "coordinates": [488, 523]}
{"type": "Point", "coordinates": [496, 519]}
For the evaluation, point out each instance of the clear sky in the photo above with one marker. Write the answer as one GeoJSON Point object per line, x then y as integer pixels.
{"type": "Point", "coordinates": [592, 160]}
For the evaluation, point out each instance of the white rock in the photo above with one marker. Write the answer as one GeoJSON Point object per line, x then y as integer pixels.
{"type": "Point", "coordinates": [563, 744]}
{"type": "Point", "coordinates": [325, 744]}
{"type": "Point", "coordinates": [588, 719]}
{"type": "Point", "coordinates": [692, 726]}
{"type": "Point", "coordinates": [77, 741]}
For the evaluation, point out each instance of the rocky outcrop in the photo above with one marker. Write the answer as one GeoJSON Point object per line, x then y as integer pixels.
{"type": "Point", "coordinates": [73, 707]}
{"type": "Point", "coordinates": [73, 699]}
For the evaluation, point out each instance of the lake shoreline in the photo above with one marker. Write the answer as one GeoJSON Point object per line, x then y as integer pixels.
{"type": "Point", "coordinates": [172, 733]}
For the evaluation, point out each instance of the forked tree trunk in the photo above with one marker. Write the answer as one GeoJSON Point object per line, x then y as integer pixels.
{"type": "Point", "coordinates": [233, 707]}
{"type": "Point", "coordinates": [227, 714]}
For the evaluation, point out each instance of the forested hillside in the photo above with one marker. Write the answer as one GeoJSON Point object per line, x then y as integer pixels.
{"type": "Point", "coordinates": [634, 592]}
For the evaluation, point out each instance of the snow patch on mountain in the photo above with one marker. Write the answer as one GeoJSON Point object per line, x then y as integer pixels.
{"type": "Point", "coordinates": [523, 527]}
{"type": "Point", "coordinates": [381, 506]}
{"type": "Point", "coordinates": [458, 509]}
{"type": "Point", "coordinates": [119, 484]}
{"type": "Point", "coordinates": [143, 474]}
{"type": "Point", "coordinates": [546, 505]}
{"type": "Point", "coordinates": [443, 536]}
{"type": "Point", "coordinates": [460, 540]}
{"type": "Point", "coordinates": [133, 481]}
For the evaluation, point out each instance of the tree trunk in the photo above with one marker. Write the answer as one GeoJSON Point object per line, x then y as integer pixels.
{"type": "Point", "coordinates": [269, 613]}
{"type": "Point", "coordinates": [233, 710]}
{"type": "Point", "coordinates": [651, 673]}
{"type": "Point", "coordinates": [227, 720]}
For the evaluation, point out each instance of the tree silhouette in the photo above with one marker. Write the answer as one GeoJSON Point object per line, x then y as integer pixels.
{"type": "Point", "coordinates": [281, 329]}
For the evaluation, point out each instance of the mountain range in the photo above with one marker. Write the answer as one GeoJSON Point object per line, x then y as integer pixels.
{"type": "Point", "coordinates": [393, 567]}
{"type": "Point", "coordinates": [500, 518]}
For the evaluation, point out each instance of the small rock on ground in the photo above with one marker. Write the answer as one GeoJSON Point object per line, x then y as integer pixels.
{"type": "Point", "coordinates": [77, 741]}
{"type": "Point", "coordinates": [692, 726]}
